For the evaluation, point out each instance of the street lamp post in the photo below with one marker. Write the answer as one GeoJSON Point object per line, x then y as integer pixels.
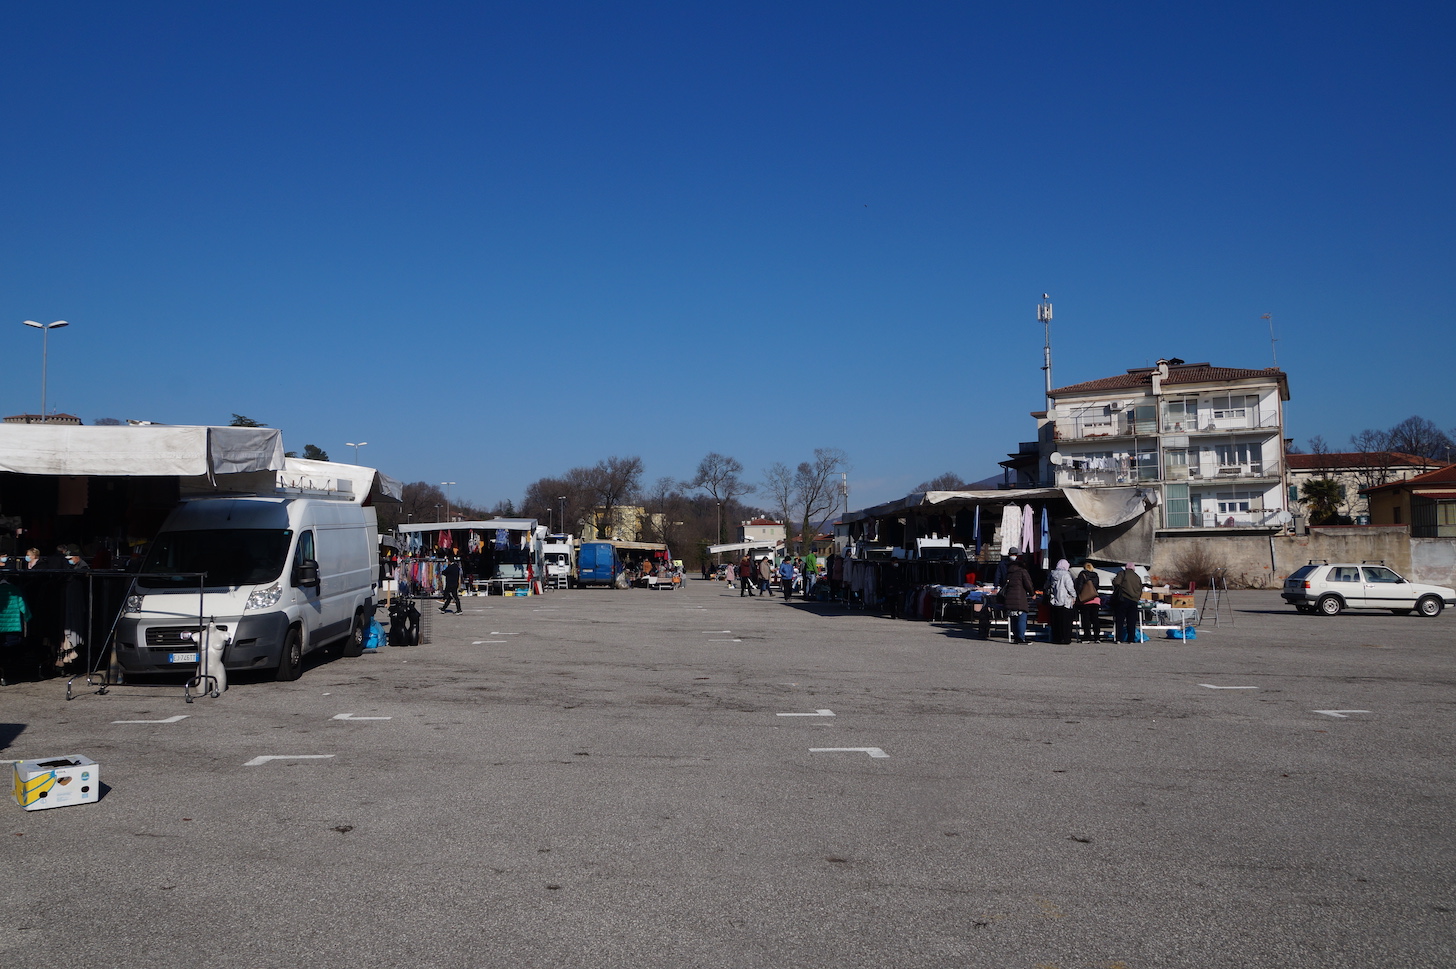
{"type": "Point", "coordinates": [45, 333]}
{"type": "Point", "coordinates": [562, 499]}
{"type": "Point", "coordinates": [447, 485]}
{"type": "Point", "coordinates": [356, 448]}
{"type": "Point", "coordinates": [437, 511]}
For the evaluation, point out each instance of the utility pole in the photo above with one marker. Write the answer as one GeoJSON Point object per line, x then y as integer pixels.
{"type": "Point", "coordinates": [1272, 348]}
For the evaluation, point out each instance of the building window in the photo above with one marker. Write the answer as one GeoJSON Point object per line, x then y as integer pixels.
{"type": "Point", "coordinates": [1234, 407]}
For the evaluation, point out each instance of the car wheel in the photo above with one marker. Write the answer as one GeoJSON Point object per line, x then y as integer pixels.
{"type": "Point", "coordinates": [290, 661]}
{"type": "Point", "coordinates": [354, 645]}
{"type": "Point", "coordinates": [1430, 606]}
{"type": "Point", "coordinates": [1330, 606]}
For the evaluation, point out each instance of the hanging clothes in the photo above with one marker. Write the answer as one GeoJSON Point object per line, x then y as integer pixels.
{"type": "Point", "coordinates": [1046, 537]}
{"type": "Point", "coordinates": [976, 532]}
{"type": "Point", "coordinates": [1010, 528]}
{"type": "Point", "coordinates": [1028, 529]}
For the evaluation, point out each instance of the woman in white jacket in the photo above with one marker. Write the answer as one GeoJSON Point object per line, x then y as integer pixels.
{"type": "Point", "coordinates": [1062, 597]}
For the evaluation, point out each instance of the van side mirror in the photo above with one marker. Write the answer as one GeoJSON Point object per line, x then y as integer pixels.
{"type": "Point", "coordinates": [308, 574]}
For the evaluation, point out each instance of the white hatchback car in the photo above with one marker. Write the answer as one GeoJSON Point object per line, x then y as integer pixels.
{"type": "Point", "coordinates": [1331, 589]}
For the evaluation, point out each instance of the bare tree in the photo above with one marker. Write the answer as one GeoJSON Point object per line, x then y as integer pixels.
{"type": "Point", "coordinates": [808, 493]}
{"type": "Point", "coordinates": [720, 476]}
{"type": "Point", "coordinates": [614, 482]}
{"type": "Point", "coordinates": [1418, 436]}
{"type": "Point", "coordinates": [1371, 462]}
{"type": "Point", "coordinates": [666, 508]}
{"type": "Point", "coordinates": [950, 481]}
{"type": "Point", "coordinates": [421, 503]}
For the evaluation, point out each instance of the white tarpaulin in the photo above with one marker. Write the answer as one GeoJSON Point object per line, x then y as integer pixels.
{"type": "Point", "coordinates": [151, 450]}
{"type": "Point", "coordinates": [1106, 507]}
{"type": "Point", "coordinates": [1098, 506]}
{"type": "Point", "coordinates": [742, 546]}
{"type": "Point", "coordinates": [349, 479]}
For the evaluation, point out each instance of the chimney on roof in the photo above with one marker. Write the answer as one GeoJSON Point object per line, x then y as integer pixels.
{"type": "Point", "coordinates": [1160, 373]}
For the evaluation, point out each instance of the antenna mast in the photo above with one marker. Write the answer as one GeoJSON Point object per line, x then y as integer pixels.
{"type": "Point", "coordinates": [1044, 317]}
{"type": "Point", "coordinates": [1272, 348]}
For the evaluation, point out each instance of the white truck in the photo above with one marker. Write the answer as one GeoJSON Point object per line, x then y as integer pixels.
{"type": "Point", "coordinates": [281, 576]}
{"type": "Point", "coordinates": [560, 556]}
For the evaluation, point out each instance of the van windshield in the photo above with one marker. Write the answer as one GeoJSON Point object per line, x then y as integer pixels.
{"type": "Point", "coordinates": [230, 557]}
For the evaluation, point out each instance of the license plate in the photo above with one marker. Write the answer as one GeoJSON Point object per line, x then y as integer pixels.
{"type": "Point", "coordinates": [181, 657]}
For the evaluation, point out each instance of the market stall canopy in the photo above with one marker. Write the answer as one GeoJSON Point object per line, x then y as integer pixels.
{"type": "Point", "coordinates": [307, 475]}
{"type": "Point", "coordinates": [743, 546]}
{"type": "Point", "coordinates": [145, 450]}
{"type": "Point", "coordinates": [1103, 507]}
{"type": "Point", "coordinates": [490, 525]}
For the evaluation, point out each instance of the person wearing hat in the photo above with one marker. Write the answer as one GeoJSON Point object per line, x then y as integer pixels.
{"type": "Point", "coordinates": [1127, 592]}
{"type": "Point", "coordinates": [74, 562]}
{"type": "Point", "coordinates": [1016, 593]}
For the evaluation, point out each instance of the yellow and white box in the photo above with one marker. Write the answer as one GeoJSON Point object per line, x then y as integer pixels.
{"type": "Point", "coordinates": [57, 782]}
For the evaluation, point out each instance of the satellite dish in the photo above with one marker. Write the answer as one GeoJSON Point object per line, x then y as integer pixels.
{"type": "Point", "coordinates": [1055, 458]}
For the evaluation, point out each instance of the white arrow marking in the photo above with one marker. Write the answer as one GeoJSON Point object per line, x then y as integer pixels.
{"type": "Point", "coordinates": [816, 713]}
{"type": "Point", "coordinates": [256, 761]}
{"type": "Point", "coordinates": [872, 751]}
{"type": "Point", "coordinates": [180, 716]}
{"type": "Point", "coordinates": [1340, 713]}
{"type": "Point", "coordinates": [350, 716]}
{"type": "Point", "coordinates": [1210, 686]}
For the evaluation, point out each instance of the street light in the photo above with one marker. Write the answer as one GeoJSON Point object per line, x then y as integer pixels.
{"type": "Point", "coordinates": [45, 334]}
{"type": "Point", "coordinates": [356, 448]}
{"type": "Point", "coordinates": [562, 499]}
{"type": "Point", "coordinates": [447, 485]}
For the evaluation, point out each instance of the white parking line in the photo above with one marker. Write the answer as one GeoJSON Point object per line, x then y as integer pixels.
{"type": "Point", "coordinates": [257, 761]}
{"type": "Point", "coordinates": [872, 751]}
{"type": "Point", "coordinates": [350, 716]}
{"type": "Point", "coordinates": [1210, 686]}
{"type": "Point", "coordinates": [716, 631]}
{"type": "Point", "coordinates": [816, 713]}
{"type": "Point", "coordinates": [725, 640]}
{"type": "Point", "coordinates": [180, 716]}
{"type": "Point", "coordinates": [1339, 714]}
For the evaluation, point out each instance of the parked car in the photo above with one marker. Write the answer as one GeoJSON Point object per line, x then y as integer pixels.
{"type": "Point", "coordinates": [1331, 589]}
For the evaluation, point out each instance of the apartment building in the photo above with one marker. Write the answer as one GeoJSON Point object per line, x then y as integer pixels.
{"type": "Point", "coordinates": [1210, 439]}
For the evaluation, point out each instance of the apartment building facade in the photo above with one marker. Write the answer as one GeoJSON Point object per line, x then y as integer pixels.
{"type": "Point", "coordinates": [1209, 439]}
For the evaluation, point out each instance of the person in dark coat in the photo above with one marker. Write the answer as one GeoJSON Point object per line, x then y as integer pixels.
{"type": "Point", "coordinates": [1016, 594]}
{"type": "Point", "coordinates": [451, 575]}
{"type": "Point", "coordinates": [1127, 592]}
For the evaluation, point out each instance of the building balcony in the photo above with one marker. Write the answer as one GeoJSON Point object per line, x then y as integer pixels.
{"type": "Point", "coordinates": [1208, 424]}
{"type": "Point", "coordinates": [1209, 473]}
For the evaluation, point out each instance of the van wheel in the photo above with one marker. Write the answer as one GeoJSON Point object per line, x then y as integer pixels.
{"type": "Point", "coordinates": [354, 645]}
{"type": "Point", "coordinates": [290, 661]}
{"type": "Point", "coordinates": [1429, 606]}
{"type": "Point", "coordinates": [1330, 606]}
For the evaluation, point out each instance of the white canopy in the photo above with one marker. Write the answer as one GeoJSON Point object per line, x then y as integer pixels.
{"type": "Point", "coordinates": [743, 546]}
{"type": "Point", "coordinates": [153, 450]}
{"type": "Point", "coordinates": [490, 525]}
{"type": "Point", "coordinates": [1103, 507]}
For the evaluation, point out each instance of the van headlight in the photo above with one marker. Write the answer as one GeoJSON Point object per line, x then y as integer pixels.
{"type": "Point", "coordinates": [134, 603]}
{"type": "Point", "coordinates": [265, 598]}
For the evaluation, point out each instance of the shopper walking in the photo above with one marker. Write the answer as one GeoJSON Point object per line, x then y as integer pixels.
{"type": "Point", "coordinates": [1061, 598]}
{"type": "Point", "coordinates": [1089, 603]}
{"type": "Point", "coordinates": [1016, 594]}
{"type": "Point", "coordinates": [786, 577]}
{"type": "Point", "coordinates": [745, 577]}
{"type": "Point", "coordinates": [765, 575]}
{"type": "Point", "coordinates": [1127, 592]}
{"type": "Point", "coordinates": [451, 575]}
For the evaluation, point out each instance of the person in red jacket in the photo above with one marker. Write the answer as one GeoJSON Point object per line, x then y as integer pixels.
{"type": "Point", "coordinates": [745, 577]}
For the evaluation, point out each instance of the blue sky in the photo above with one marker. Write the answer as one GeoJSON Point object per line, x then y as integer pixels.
{"type": "Point", "coordinates": [498, 241]}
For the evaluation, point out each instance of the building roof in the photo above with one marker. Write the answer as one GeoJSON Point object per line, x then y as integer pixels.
{"type": "Point", "coordinates": [1178, 373]}
{"type": "Point", "coordinates": [38, 419]}
{"type": "Point", "coordinates": [762, 521]}
{"type": "Point", "coordinates": [1441, 478]}
{"type": "Point", "coordinates": [1355, 460]}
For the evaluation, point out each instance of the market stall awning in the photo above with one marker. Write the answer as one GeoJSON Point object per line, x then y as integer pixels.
{"type": "Point", "coordinates": [1103, 507]}
{"type": "Point", "coordinates": [361, 482]}
{"type": "Point", "coordinates": [145, 450]}
{"type": "Point", "coordinates": [743, 546]}
{"type": "Point", "coordinates": [489, 525]}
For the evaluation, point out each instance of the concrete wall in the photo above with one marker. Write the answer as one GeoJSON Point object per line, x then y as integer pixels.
{"type": "Point", "coordinates": [1263, 562]}
{"type": "Point", "coordinates": [1433, 560]}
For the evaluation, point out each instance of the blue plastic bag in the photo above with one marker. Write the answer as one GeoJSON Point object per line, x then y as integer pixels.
{"type": "Point", "coordinates": [1187, 632]}
{"type": "Point", "coordinates": [374, 638]}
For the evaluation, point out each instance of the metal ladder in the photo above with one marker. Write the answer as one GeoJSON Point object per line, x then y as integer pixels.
{"type": "Point", "coordinates": [1217, 595]}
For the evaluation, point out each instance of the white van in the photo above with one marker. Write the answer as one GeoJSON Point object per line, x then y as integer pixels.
{"type": "Point", "coordinates": [284, 576]}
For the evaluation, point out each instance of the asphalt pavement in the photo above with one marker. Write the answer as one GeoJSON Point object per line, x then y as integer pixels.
{"type": "Point", "coordinates": [695, 779]}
